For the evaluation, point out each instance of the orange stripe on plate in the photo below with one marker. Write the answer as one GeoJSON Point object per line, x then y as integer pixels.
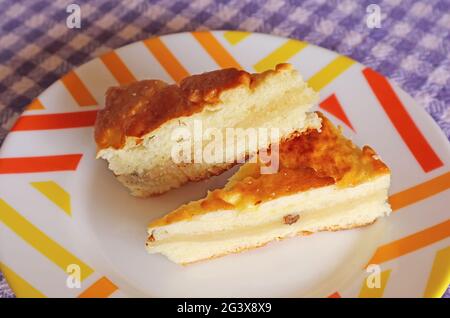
{"type": "Point", "coordinates": [102, 288]}
{"type": "Point", "coordinates": [78, 90]}
{"type": "Point", "coordinates": [332, 105]}
{"type": "Point", "coordinates": [335, 295]}
{"type": "Point", "coordinates": [216, 50]}
{"type": "Point", "coordinates": [39, 164]}
{"type": "Point", "coordinates": [55, 121]}
{"type": "Point", "coordinates": [167, 60]}
{"type": "Point", "coordinates": [420, 192]}
{"type": "Point", "coordinates": [117, 68]}
{"type": "Point", "coordinates": [411, 243]}
{"type": "Point", "coordinates": [402, 121]}
{"type": "Point", "coordinates": [35, 105]}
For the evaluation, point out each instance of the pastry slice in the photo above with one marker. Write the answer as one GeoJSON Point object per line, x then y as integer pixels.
{"type": "Point", "coordinates": [136, 131]}
{"type": "Point", "coordinates": [324, 183]}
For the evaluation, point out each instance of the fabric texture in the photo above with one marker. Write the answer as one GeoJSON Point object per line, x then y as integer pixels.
{"type": "Point", "coordinates": [411, 47]}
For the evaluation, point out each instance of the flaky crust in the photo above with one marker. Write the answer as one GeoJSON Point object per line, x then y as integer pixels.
{"type": "Point", "coordinates": [136, 109]}
{"type": "Point", "coordinates": [307, 161]}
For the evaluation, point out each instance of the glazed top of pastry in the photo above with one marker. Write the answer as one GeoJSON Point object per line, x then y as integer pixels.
{"type": "Point", "coordinates": [139, 108]}
{"type": "Point", "coordinates": [311, 160]}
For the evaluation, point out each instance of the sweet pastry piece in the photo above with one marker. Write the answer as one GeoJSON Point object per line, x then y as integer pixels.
{"type": "Point", "coordinates": [324, 183]}
{"type": "Point", "coordinates": [135, 131]}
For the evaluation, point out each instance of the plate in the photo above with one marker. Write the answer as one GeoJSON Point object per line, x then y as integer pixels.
{"type": "Point", "coordinates": [69, 229]}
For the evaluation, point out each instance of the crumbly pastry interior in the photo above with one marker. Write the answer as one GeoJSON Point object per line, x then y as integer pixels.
{"type": "Point", "coordinates": [325, 182]}
{"type": "Point", "coordinates": [134, 132]}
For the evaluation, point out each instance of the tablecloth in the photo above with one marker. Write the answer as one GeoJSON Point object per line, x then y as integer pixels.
{"type": "Point", "coordinates": [411, 45]}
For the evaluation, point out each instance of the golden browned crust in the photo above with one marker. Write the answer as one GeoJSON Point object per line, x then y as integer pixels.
{"type": "Point", "coordinates": [307, 161]}
{"type": "Point", "coordinates": [301, 233]}
{"type": "Point", "coordinates": [331, 154]}
{"type": "Point", "coordinates": [139, 108]}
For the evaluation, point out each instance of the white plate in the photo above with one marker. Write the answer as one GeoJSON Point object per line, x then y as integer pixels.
{"type": "Point", "coordinates": [79, 214]}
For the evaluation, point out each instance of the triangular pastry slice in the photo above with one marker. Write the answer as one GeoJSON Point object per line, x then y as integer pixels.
{"type": "Point", "coordinates": [136, 132]}
{"type": "Point", "coordinates": [324, 182]}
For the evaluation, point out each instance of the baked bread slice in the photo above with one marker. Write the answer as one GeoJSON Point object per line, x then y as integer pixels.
{"type": "Point", "coordinates": [135, 130]}
{"type": "Point", "coordinates": [324, 183]}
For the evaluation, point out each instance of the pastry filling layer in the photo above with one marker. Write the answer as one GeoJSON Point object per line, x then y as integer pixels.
{"type": "Point", "coordinates": [222, 232]}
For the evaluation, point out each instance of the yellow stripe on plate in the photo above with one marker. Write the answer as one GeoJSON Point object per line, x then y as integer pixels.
{"type": "Point", "coordinates": [20, 286]}
{"type": "Point", "coordinates": [439, 278]}
{"type": "Point", "coordinates": [40, 241]}
{"type": "Point", "coordinates": [234, 37]}
{"type": "Point", "coordinates": [54, 193]}
{"type": "Point", "coordinates": [327, 74]}
{"type": "Point", "coordinates": [367, 292]}
{"type": "Point", "coordinates": [280, 55]}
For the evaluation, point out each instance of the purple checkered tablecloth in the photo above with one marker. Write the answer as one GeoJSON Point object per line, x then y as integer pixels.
{"type": "Point", "coordinates": [412, 46]}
